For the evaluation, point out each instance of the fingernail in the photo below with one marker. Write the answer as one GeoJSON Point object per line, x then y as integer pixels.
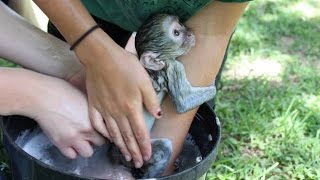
{"type": "Point", "coordinates": [128, 158]}
{"type": "Point", "coordinates": [137, 164]}
{"type": "Point", "coordinates": [159, 113]}
{"type": "Point", "coordinates": [146, 158]}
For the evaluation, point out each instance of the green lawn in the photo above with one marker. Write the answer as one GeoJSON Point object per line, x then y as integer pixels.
{"type": "Point", "coordinates": [269, 104]}
{"type": "Point", "coordinates": [6, 63]}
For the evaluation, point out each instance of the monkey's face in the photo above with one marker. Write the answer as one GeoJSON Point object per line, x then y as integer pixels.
{"type": "Point", "coordinates": [182, 37]}
{"type": "Point", "coordinates": [160, 38]}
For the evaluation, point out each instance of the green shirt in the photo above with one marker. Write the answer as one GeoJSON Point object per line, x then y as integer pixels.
{"type": "Point", "coordinates": [130, 14]}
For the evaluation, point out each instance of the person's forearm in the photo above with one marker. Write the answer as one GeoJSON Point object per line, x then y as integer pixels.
{"type": "Point", "coordinates": [28, 46]}
{"type": "Point", "coordinates": [212, 27]}
{"type": "Point", "coordinates": [73, 20]}
{"type": "Point", "coordinates": [59, 109]}
{"type": "Point", "coordinates": [16, 91]}
{"type": "Point", "coordinates": [70, 17]}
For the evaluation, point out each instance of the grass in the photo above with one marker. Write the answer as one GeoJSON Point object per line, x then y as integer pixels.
{"type": "Point", "coordinates": [270, 100]}
{"type": "Point", "coordinates": [6, 63]}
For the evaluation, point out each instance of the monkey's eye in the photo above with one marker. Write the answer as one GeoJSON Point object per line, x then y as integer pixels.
{"type": "Point", "coordinates": [176, 32]}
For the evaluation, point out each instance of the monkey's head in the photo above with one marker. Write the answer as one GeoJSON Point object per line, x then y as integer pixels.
{"type": "Point", "coordinates": [160, 38]}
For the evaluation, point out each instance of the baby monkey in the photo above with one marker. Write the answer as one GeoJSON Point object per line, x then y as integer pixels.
{"type": "Point", "coordinates": [159, 41]}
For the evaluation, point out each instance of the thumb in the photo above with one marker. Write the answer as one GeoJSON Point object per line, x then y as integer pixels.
{"type": "Point", "coordinates": [151, 101]}
{"type": "Point", "coordinates": [97, 121]}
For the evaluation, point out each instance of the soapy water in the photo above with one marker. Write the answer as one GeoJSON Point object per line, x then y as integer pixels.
{"type": "Point", "coordinates": [37, 144]}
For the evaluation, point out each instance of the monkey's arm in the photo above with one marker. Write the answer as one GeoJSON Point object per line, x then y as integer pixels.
{"type": "Point", "coordinates": [183, 94]}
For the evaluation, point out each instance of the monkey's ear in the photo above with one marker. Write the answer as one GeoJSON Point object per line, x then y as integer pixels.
{"type": "Point", "coordinates": [150, 60]}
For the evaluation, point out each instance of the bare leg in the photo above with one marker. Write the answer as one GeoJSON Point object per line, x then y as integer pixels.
{"type": "Point", "coordinates": [212, 27]}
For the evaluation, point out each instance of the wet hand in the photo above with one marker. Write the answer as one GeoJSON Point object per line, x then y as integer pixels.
{"type": "Point", "coordinates": [62, 113]}
{"type": "Point", "coordinates": [118, 87]}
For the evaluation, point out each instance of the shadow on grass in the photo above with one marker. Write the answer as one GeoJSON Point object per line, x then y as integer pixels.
{"type": "Point", "coordinates": [266, 123]}
{"type": "Point", "coordinates": [274, 26]}
{"type": "Point", "coordinates": [272, 128]}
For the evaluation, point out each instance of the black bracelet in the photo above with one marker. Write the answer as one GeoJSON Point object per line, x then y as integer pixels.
{"type": "Point", "coordinates": [83, 36]}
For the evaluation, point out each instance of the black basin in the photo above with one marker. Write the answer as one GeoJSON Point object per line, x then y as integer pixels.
{"type": "Point", "coordinates": [26, 167]}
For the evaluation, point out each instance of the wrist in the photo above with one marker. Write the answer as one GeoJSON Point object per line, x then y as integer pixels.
{"type": "Point", "coordinates": [95, 46]}
{"type": "Point", "coordinates": [83, 36]}
{"type": "Point", "coordinates": [16, 96]}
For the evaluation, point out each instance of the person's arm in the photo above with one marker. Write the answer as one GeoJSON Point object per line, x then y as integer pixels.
{"type": "Point", "coordinates": [28, 46]}
{"type": "Point", "coordinates": [59, 108]}
{"type": "Point", "coordinates": [212, 27]}
{"type": "Point", "coordinates": [117, 84]}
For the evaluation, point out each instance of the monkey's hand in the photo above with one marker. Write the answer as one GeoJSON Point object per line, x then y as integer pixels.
{"type": "Point", "coordinates": [118, 87]}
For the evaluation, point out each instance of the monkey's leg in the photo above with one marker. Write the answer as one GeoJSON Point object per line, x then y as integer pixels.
{"type": "Point", "coordinates": [161, 153]}
{"type": "Point", "coordinates": [193, 97]}
{"type": "Point", "coordinates": [185, 96]}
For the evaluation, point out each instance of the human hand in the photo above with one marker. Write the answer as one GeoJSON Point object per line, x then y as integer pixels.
{"type": "Point", "coordinates": [78, 78]}
{"type": "Point", "coordinates": [62, 113]}
{"type": "Point", "coordinates": [117, 87]}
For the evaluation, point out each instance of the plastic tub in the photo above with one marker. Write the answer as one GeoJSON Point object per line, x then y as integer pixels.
{"type": "Point", "coordinates": [205, 130]}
